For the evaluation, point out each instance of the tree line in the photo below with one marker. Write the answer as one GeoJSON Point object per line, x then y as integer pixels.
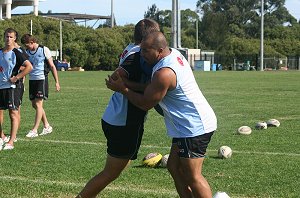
{"type": "Point", "coordinates": [92, 49]}
{"type": "Point", "coordinates": [230, 28]}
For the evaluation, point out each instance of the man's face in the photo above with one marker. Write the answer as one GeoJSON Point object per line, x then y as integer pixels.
{"type": "Point", "coordinates": [10, 39]}
{"type": "Point", "coordinates": [29, 46]}
{"type": "Point", "coordinates": [150, 55]}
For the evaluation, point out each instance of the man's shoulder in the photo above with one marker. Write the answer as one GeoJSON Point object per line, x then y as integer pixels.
{"type": "Point", "coordinates": [128, 51]}
{"type": "Point", "coordinates": [133, 58]}
{"type": "Point", "coordinates": [17, 52]}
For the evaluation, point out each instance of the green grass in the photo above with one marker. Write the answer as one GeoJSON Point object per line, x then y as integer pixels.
{"type": "Point", "coordinates": [264, 164]}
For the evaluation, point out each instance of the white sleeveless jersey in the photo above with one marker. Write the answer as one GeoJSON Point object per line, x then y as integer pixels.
{"type": "Point", "coordinates": [186, 111]}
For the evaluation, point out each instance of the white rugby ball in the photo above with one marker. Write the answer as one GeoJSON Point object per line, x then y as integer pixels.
{"type": "Point", "coordinates": [152, 160]}
{"type": "Point", "coordinates": [221, 195]}
{"type": "Point", "coordinates": [273, 123]}
{"type": "Point", "coordinates": [261, 125]}
{"type": "Point", "coordinates": [224, 152]}
{"type": "Point", "coordinates": [164, 160]}
{"type": "Point", "coordinates": [244, 130]}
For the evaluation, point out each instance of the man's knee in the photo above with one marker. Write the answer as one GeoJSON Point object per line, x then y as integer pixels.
{"type": "Point", "coordinates": [37, 103]}
{"type": "Point", "coordinates": [14, 114]}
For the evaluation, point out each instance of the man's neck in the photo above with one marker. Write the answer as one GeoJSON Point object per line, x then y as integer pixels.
{"type": "Point", "coordinates": [166, 52]}
{"type": "Point", "coordinates": [8, 48]}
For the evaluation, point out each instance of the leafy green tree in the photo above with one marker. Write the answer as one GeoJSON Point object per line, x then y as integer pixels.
{"type": "Point", "coordinates": [214, 30]}
{"type": "Point", "coordinates": [162, 17]}
{"type": "Point", "coordinates": [78, 56]}
{"type": "Point", "coordinates": [152, 13]}
{"type": "Point", "coordinates": [243, 16]}
{"type": "Point", "coordinates": [99, 49]}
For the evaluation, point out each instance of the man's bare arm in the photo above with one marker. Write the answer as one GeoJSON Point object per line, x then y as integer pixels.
{"type": "Point", "coordinates": [162, 81]}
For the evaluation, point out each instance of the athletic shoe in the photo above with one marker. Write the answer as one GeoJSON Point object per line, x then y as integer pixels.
{"type": "Point", "coordinates": [8, 147]}
{"type": "Point", "coordinates": [6, 139]}
{"type": "Point", "coordinates": [32, 134]}
{"type": "Point", "coordinates": [47, 130]}
{"type": "Point", "coordinates": [1, 143]}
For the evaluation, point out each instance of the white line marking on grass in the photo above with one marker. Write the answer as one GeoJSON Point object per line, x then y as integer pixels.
{"type": "Point", "coordinates": [41, 181]}
{"type": "Point", "coordinates": [267, 153]}
{"type": "Point", "coordinates": [159, 147]}
{"type": "Point", "coordinates": [131, 188]}
{"type": "Point", "coordinates": [62, 141]}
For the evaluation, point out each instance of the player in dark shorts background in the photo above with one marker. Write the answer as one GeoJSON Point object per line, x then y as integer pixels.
{"type": "Point", "coordinates": [41, 59]}
{"type": "Point", "coordinates": [10, 65]}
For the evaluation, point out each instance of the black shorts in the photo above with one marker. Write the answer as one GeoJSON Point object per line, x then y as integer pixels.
{"type": "Point", "coordinates": [20, 88]}
{"type": "Point", "coordinates": [38, 89]}
{"type": "Point", "coordinates": [9, 99]}
{"type": "Point", "coordinates": [193, 147]}
{"type": "Point", "coordinates": [123, 141]}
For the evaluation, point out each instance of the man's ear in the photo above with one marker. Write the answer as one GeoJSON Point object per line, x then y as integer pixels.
{"type": "Point", "coordinates": [160, 50]}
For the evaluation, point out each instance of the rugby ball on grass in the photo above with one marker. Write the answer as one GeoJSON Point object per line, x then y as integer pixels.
{"type": "Point", "coordinates": [244, 130]}
{"type": "Point", "coordinates": [152, 160]}
{"type": "Point", "coordinates": [164, 160]}
{"type": "Point", "coordinates": [273, 123]}
{"type": "Point", "coordinates": [261, 125]}
{"type": "Point", "coordinates": [224, 152]}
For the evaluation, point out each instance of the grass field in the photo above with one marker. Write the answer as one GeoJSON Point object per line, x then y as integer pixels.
{"type": "Point", "coordinates": [264, 164]}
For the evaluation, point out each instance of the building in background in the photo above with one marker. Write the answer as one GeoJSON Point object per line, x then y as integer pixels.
{"type": "Point", "coordinates": [8, 5]}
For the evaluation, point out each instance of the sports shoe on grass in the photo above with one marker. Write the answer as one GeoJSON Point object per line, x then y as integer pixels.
{"type": "Point", "coordinates": [8, 147]}
{"type": "Point", "coordinates": [47, 130]}
{"type": "Point", "coordinates": [6, 139]}
{"type": "Point", "coordinates": [1, 143]}
{"type": "Point", "coordinates": [32, 134]}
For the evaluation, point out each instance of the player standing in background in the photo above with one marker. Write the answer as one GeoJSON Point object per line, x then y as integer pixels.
{"type": "Point", "coordinates": [10, 63]}
{"type": "Point", "coordinates": [42, 62]}
{"type": "Point", "coordinates": [20, 87]}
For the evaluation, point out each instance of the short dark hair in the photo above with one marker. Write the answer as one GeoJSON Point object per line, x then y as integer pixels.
{"type": "Point", "coordinates": [27, 38]}
{"type": "Point", "coordinates": [157, 39]}
{"type": "Point", "coordinates": [11, 30]}
{"type": "Point", "coordinates": [144, 27]}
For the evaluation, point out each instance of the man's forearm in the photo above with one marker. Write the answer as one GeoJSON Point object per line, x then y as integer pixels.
{"type": "Point", "coordinates": [137, 99]}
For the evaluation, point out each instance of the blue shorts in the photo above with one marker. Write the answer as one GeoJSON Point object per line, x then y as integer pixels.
{"type": "Point", "coordinates": [193, 147]}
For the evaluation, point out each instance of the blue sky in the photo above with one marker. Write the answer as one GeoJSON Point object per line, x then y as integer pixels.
{"type": "Point", "coordinates": [125, 11]}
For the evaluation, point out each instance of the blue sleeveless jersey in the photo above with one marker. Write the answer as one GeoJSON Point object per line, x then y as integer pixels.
{"type": "Point", "coordinates": [10, 63]}
{"type": "Point", "coordinates": [37, 59]}
{"type": "Point", "coordinates": [186, 111]}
